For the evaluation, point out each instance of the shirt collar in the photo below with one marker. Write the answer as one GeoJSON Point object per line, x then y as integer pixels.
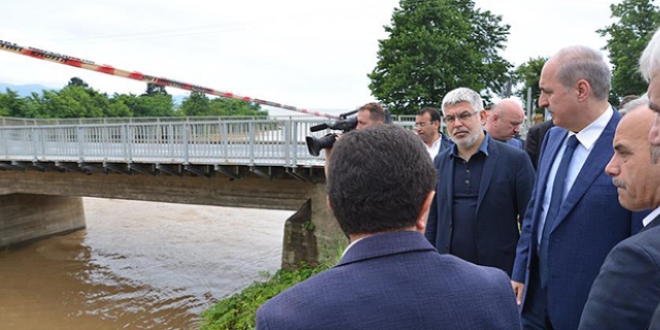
{"type": "Point", "coordinates": [651, 216]}
{"type": "Point", "coordinates": [351, 245]}
{"type": "Point", "coordinates": [588, 136]}
{"type": "Point", "coordinates": [435, 143]}
{"type": "Point", "coordinates": [483, 148]}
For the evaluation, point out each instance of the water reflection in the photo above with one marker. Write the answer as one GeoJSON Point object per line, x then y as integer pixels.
{"type": "Point", "coordinates": [139, 265]}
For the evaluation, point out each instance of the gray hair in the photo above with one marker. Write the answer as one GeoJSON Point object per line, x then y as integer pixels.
{"type": "Point", "coordinates": [633, 105]}
{"type": "Point", "coordinates": [649, 63]}
{"type": "Point", "coordinates": [463, 94]}
{"type": "Point", "coordinates": [580, 62]}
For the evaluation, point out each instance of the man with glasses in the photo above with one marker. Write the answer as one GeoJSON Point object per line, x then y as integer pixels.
{"type": "Point", "coordinates": [482, 190]}
{"type": "Point", "coordinates": [427, 127]}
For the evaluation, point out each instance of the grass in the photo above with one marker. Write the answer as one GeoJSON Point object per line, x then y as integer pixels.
{"type": "Point", "coordinates": [237, 312]}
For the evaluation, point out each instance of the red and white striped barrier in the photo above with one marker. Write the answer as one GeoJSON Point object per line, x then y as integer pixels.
{"type": "Point", "coordinates": [89, 65]}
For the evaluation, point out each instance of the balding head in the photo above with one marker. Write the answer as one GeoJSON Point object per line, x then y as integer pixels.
{"type": "Point", "coordinates": [505, 119]}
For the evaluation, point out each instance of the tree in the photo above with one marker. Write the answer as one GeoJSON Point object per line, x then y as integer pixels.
{"type": "Point", "coordinates": [627, 38]}
{"type": "Point", "coordinates": [75, 81]}
{"type": "Point", "coordinates": [11, 104]}
{"type": "Point", "coordinates": [529, 74]}
{"type": "Point", "coordinates": [435, 46]}
{"type": "Point", "coordinates": [198, 104]}
{"type": "Point", "coordinates": [153, 89]}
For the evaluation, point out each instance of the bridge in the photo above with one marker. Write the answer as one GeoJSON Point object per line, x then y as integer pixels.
{"type": "Point", "coordinates": [46, 166]}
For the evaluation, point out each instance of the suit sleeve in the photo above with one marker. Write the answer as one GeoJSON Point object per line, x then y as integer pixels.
{"type": "Point", "coordinates": [262, 324]}
{"type": "Point", "coordinates": [524, 185]}
{"type": "Point", "coordinates": [627, 290]}
{"type": "Point", "coordinates": [432, 222]}
{"type": "Point", "coordinates": [532, 144]}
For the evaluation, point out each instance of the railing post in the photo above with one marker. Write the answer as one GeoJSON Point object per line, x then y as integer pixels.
{"type": "Point", "coordinates": [186, 152]}
{"type": "Point", "coordinates": [251, 145]}
{"type": "Point", "coordinates": [287, 143]}
{"type": "Point", "coordinates": [79, 134]}
{"type": "Point", "coordinates": [34, 142]}
{"type": "Point", "coordinates": [294, 146]}
{"type": "Point", "coordinates": [225, 141]}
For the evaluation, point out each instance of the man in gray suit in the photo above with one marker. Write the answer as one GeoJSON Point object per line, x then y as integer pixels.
{"type": "Point", "coordinates": [627, 290]}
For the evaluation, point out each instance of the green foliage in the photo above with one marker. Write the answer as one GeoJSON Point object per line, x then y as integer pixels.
{"type": "Point", "coordinates": [529, 74]}
{"type": "Point", "coordinates": [238, 311]}
{"type": "Point", "coordinates": [78, 100]}
{"type": "Point", "coordinates": [627, 38]}
{"type": "Point", "coordinates": [435, 46]}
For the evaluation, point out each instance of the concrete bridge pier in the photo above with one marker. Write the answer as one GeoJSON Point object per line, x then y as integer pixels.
{"type": "Point", "coordinates": [312, 235]}
{"type": "Point", "coordinates": [25, 218]}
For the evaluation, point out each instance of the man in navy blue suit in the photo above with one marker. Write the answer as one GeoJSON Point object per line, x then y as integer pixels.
{"type": "Point", "coordinates": [574, 218]}
{"type": "Point", "coordinates": [504, 120]}
{"type": "Point", "coordinates": [483, 188]}
{"type": "Point", "coordinates": [627, 290]}
{"type": "Point", "coordinates": [380, 187]}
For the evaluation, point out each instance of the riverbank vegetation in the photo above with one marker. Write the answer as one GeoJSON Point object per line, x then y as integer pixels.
{"type": "Point", "coordinates": [238, 311]}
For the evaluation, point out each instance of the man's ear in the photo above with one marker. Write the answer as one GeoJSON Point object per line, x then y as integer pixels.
{"type": "Point", "coordinates": [423, 216]}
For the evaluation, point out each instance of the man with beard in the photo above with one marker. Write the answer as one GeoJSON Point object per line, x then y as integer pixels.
{"type": "Point", "coordinates": [484, 189]}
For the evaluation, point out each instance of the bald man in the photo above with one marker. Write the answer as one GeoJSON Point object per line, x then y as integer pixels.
{"type": "Point", "coordinates": [504, 122]}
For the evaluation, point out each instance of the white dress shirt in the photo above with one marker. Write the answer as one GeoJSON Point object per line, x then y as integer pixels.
{"type": "Point", "coordinates": [586, 138]}
{"type": "Point", "coordinates": [651, 216]}
{"type": "Point", "coordinates": [434, 148]}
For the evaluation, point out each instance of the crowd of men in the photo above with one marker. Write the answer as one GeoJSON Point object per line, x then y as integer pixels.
{"type": "Point", "coordinates": [481, 232]}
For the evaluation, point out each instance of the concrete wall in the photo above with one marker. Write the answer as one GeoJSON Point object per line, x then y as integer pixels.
{"type": "Point", "coordinates": [25, 218]}
{"type": "Point", "coordinates": [313, 242]}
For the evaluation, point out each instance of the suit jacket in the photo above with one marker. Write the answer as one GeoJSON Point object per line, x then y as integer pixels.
{"type": "Point", "coordinates": [589, 224]}
{"type": "Point", "coordinates": [627, 290]}
{"type": "Point", "coordinates": [516, 143]}
{"type": "Point", "coordinates": [534, 140]}
{"type": "Point", "coordinates": [506, 185]}
{"type": "Point", "coordinates": [395, 281]}
{"type": "Point", "coordinates": [655, 321]}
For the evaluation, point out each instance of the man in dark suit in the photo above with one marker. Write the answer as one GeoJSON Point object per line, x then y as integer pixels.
{"type": "Point", "coordinates": [573, 219]}
{"type": "Point", "coordinates": [627, 290]}
{"type": "Point", "coordinates": [504, 120]}
{"type": "Point", "coordinates": [534, 140]}
{"type": "Point", "coordinates": [427, 127]}
{"type": "Point", "coordinates": [483, 187]}
{"type": "Point", "coordinates": [380, 187]}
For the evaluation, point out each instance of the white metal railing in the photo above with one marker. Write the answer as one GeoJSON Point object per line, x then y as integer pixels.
{"type": "Point", "coordinates": [236, 142]}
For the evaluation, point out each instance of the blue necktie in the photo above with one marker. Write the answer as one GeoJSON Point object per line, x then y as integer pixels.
{"type": "Point", "coordinates": [556, 200]}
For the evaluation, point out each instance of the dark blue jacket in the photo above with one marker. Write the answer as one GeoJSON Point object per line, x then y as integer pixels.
{"type": "Point", "coordinates": [506, 186]}
{"type": "Point", "coordinates": [395, 281]}
{"type": "Point", "coordinates": [589, 224]}
{"type": "Point", "coordinates": [627, 290]}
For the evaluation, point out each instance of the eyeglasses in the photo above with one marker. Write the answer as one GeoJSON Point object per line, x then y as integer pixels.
{"type": "Point", "coordinates": [422, 125]}
{"type": "Point", "coordinates": [464, 116]}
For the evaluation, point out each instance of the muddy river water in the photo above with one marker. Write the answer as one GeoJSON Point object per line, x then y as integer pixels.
{"type": "Point", "coordinates": [138, 265]}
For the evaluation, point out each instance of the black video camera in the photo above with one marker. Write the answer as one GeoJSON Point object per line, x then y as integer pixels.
{"type": "Point", "coordinates": [344, 124]}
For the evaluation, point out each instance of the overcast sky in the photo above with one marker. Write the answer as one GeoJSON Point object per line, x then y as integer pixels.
{"type": "Point", "coordinates": [309, 54]}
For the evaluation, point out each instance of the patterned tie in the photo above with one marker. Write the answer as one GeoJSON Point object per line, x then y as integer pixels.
{"type": "Point", "coordinates": [556, 200]}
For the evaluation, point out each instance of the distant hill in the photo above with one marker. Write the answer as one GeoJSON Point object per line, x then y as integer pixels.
{"type": "Point", "coordinates": [24, 90]}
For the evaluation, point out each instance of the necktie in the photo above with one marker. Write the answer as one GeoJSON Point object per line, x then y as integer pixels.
{"type": "Point", "coordinates": [556, 200]}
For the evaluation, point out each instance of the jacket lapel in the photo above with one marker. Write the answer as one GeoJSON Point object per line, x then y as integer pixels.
{"type": "Point", "coordinates": [593, 167]}
{"type": "Point", "coordinates": [487, 174]}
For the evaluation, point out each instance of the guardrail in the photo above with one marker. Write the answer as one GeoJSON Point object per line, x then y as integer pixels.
{"type": "Point", "coordinates": [260, 142]}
